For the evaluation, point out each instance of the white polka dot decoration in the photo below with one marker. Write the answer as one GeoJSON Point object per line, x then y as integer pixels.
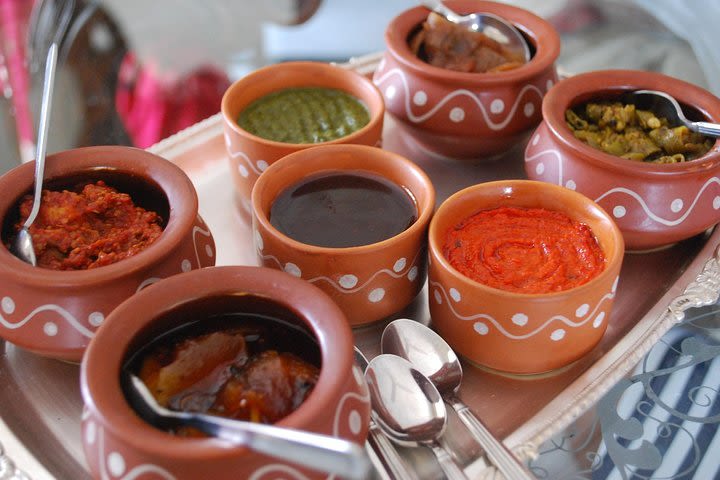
{"type": "Point", "coordinates": [619, 211]}
{"type": "Point", "coordinates": [390, 92]}
{"type": "Point", "coordinates": [716, 203]}
{"type": "Point", "coordinates": [457, 115]}
{"type": "Point", "coordinates": [420, 98]}
{"type": "Point", "coordinates": [355, 422]}
{"type": "Point", "coordinates": [676, 205]}
{"type": "Point", "coordinates": [529, 109]}
{"type": "Point", "coordinates": [497, 106]}
{"type": "Point", "coordinates": [116, 464]}
{"type": "Point", "coordinates": [376, 295]}
{"type": "Point", "coordinates": [8, 305]}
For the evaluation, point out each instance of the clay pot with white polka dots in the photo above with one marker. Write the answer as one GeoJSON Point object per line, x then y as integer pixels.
{"type": "Point", "coordinates": [249, 155]}
{"type": "Point", "coordinates": [466, 116]}
{"type": "Point", "coordinates": [512, 331]}
{"type": "Point", "coordinates": [368, 282]}
{"type": "Point", "coordinates": [56, 313]}
{"type": "Point", "coordinates": [119, 444]}
{"type": "Point", "coordinates": [655, 205]}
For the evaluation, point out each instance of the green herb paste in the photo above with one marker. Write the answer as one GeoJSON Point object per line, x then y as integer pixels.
{"type": "Point", "coordinates": [304, 115]}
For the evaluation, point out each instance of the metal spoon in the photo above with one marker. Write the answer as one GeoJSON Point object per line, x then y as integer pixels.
{"type": "Point", "coordinates": [497, 28]}
{"type": "Point", "coordinates": [380, 442]}
{"type": "Point", "coordinates": [664, 105]}
{"type": "Point", "coordinates": [23, 245]}
{"type": "Point", "coordinates": [409, 408]}
{"type": "Point", "coordinates": [319, 452]}
{"type": "Point", "coordinates": [431, 355]}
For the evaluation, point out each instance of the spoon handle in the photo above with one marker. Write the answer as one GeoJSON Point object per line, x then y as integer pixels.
{"type": "Point", "coordinates": [448, 465]}
{"type": "Point", "coordinates": [48, 85]}
{"type": "Point", "coordinates": [439, 7]}
{"type": "Point", "coordinates": [388, 453]}
{"type": "Point", "coordinates": [496, 451]}
{"type": "Point", "coordinates": [707, 128]}
{"type": "Point", "coordinates": [320, 452]}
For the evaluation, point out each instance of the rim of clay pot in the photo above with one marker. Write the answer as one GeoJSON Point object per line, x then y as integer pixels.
{"type": "Point", "coordinates": [544, 189]}
{"type": "Point", "coordinates": [126, 325]}
{"type": "Point", "coordinates": [172, 182]}
{"type": "Point", "coordinates": [361, 154]}
{"type": "Point", "coordinates": [598, 84]}
{"type": "Point", "coordinates": [539, 32]}
{"type": "Point", "coordinates": [277, 73]}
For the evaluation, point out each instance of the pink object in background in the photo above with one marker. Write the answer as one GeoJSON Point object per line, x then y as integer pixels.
{"type": "Point", "coordinates": [14, 77]}
{"type": "Point", "coordinates": [153, 108]}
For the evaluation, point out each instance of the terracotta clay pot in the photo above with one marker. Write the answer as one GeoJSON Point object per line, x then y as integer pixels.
{"type": "Point", "coordinates": [119, 443]}
{"type": "Point", "coordinates": [56, 313]}
{"type": "Point", "coordinates": [250, 155]}
{"type": "Point", "coordinates": [470, 116]}
{"type": "Point", "coordinates": [369, 282]}
{"type": "Point", "coordinates": [654, 205]}
{"type": "Point", "coordinates": [515, 332]}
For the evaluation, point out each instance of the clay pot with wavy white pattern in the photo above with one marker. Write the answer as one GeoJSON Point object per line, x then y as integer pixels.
{"type": "Point", "coordinates": [368, 282]}
{"type": "Point", "coordinates": [467, 116]}
{"type": "Point", "coordinates": [249, 155]}
{"type": "Point", "coordinates": [56, 313]}
{"type": "Point", "coordinates": [655, 205]}
{"type": "Point", "coordinates": [119, 444]}
{"type": "Point", "coordinates": [512, 331]}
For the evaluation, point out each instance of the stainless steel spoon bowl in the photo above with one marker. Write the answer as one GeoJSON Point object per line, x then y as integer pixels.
{"type": "Point", "coordinates": [23, 245]}
{"type": "Point", "coordinates": [664, 105]}
{"type": "Point", "coordinates": [409, 408]}
{"type": "Point", "coordinates": [319, 452]}
{"type": "Point", "coordinates": [497, 28]}
{"type": "Point", "coordinates": [431, 355]}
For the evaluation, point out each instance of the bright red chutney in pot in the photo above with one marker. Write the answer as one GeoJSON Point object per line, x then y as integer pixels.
{"type": "Point", "coordinates": [526, 250]}
{"type": "Point", "coordinates": [90, 228]}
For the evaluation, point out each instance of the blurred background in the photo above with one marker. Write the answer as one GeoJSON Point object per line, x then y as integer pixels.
{"type": "Point", "coordinates": [133, 72]}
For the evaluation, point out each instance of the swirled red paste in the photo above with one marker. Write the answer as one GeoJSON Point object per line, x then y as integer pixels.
{"type": "Point", "coordinates": [527, 250]}
{"type": "Point", "coordinates": [92, 227]}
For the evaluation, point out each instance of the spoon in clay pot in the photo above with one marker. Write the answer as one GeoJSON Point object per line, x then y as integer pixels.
{"type": "Point", "coordinates": [22, 247]}
{"type": "Point", "coordinates": [409, 408]}
{"type": "Point", "coordinates": [664, 105]}
{"type": "Point", "coordinates": [491, 25]}
{"type": "Point", "coordinates": [320, 452]}
{"type": "Point", "coordinates": [431, 355]}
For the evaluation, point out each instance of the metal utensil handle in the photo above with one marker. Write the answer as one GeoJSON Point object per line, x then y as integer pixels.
{"type": "Point", "coordinates": [43, 131]}
{"type": "Point", "coordinates": [439, 7]}
{"type": "Point", "coordinates": [388, 453]}
{"type": "Point", "coordinates": [496, 451]}
{"type": "Point", "coordinates": [448, 465]}
{"type": "Point", "coordinates": [707, 128]}
{"type": "Point", "coordinates": [321, 452]}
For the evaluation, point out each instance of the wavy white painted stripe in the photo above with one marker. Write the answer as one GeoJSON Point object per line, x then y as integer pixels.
{"type": "Point", "coordinates": [195, 231]}
{"type": "Point", "coordinates": [348, 396]}
{"type": "Point", "coordinates": [277, 468]}
{"type": "Point", "coordinates": [456, 93]}
{"type": "Point", "coordinates": [342, 289]}
{"type": "Point", "coordinates": [653, 216]}
{"type": "Point", "coordinates": [557, 156]}
{"type": "Point", "coordinates": [115, 462]}
{"type": "Point", "coordinates": [501, 329]}
{"type": "Point", "coordinates": [247, 160]}
{"type": "Point", "coordinates": [67, 316]}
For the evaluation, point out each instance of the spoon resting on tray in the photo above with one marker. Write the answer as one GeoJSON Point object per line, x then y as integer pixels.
{"type": "Point", "coordinates": [23, 247]}
{"type": "Point", "coordinates": [319, 452]}
{"type": "Point", "coordinates": [431, 355]}
{"type": "Point", "coordinates": [493, 26]}
{"type": "Point", "coordinates": [662, 104]}
{"type": "Point", "coordinates": [409, 408]}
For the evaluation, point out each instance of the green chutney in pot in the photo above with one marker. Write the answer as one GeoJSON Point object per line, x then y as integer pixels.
{"type": "Point", "coordinates": [304, 115]}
